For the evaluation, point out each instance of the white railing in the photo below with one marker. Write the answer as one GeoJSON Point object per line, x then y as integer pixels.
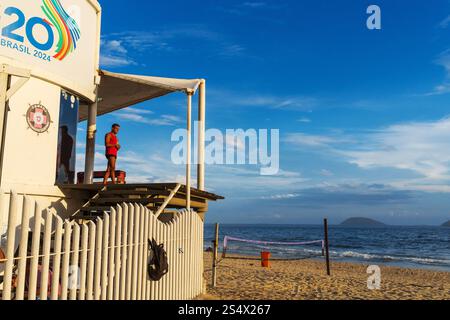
{"type": "Point", "coordinates": [48, 258]}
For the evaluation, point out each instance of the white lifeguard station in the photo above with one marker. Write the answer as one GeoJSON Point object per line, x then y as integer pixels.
{"type": "Point", "coordinates": [50, 81]}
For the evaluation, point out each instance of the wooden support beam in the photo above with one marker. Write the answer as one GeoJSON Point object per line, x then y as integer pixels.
{"type": "Point", "coordinates": [15, 87]}
{"type": "Point", "coordinates": [181, 203]}
{"type": "Point", "coordinates": [188, 151]}
{"type": "Point", "coordinates": [168, 199]}
{"type": "Point", "coordinates": [201, 135]}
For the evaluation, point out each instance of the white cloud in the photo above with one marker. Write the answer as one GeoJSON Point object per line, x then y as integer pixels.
{"type": "Point", "coordinates": [302, 139]}
{"type": "Point", "coordinates": [254, 4]}
{"type": "Point", "coordinates": [139, 111]}
{"type": "Point", "coordinates": [114, 54]}
{"type": "Point", "coordinates": [422, 148]}
{"type": "Point", "coordinates": [443, 60]}
{"type": "Point", "coordinates": [281, 196]}
{"type": "Point", "coordinates": [326, 173]}
{"type": "Point", "coordinates": [250, 181]}
{"type": "Point", "coordinates": [244, 99]}
{"type": "Point", "coordinates": [304, 120]}
{"type": "Point", "coordinates": [445, 23]}
{"type": "Point", "coordinates": [121, 49]}
{"type": "Point", "coordinates": [136, 115]}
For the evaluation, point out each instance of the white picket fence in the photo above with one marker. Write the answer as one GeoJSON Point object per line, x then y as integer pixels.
{"type": "Point", "coordinates": [102, 260]}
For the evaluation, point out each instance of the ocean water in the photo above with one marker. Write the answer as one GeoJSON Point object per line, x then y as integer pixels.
{"type": "Point", "coordinates": [412, 247]}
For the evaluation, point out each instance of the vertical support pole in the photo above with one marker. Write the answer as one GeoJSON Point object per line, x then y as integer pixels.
{"type": "Point", "coordinates": [201, 135]}
{"type": "Point", "coordinates": [90, 141]}
{"type": "Point", "coordinates": [188, 151]}
{"type": "Point", "coordinates": [215, 254]}
{"type": "Point", "coordinates": [327, 248]}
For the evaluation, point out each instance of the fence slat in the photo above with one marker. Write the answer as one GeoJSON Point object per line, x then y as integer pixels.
{"type": "Point", "coordinates": [130, 251]}
{"type": "Point", "coordinates": [202, 256]}
{"type": "Point", "coordinates": [123, 262]}
{"type": "Point", "coordinates": [66, 260]}
{"type": "Point", "coordinates": [74, 268]}
{"type": "Point", "coordinates": [171, 250]}
{"type": "Point", "coordinates": [152, 231]}
{"type": "Point", "coordinates": [117, 255]}
{"type": "Point", "coordinates": [164, 279]}
{"type": "Point", "coordinates": [83, 261]}
{"type": "Point", "coordinates": [179, 255]}
{"type": "Point", "coordinates": [57, 259]}
{"type": "Point", "coordinates": [111, 253]}
{"type": "Point", "coordinates": [91, 261]}
{"type": "Point", "coordinates": [191, 254]}
{"type": "Point", "coordinates": [35, 252]}
{"type": "Point", "coordinates": [134, 280]}
{"type": "Point", "coordinates": [176, 254]}
{"type": "Point", "coordinates": [159, 238]}
{"type": "Point", "coordinates": [98, 260]}
{"type": "Point", "coordinates": [23, 248]}
{"type": "Point", "coordinates": [186, 269]}
{"type": "Point", "coordinates": [139, 254]}
{"type": "Point", "coordinates": [105, 252]}
{"type": "Point", "coordinates": [145, 255]}
{"type": "Point", "coordinates": [11, 238]}
{"type": "Point", "coordinates": [46, 255]}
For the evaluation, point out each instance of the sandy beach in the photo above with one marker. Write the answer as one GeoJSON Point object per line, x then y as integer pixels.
{"type": "Point", "coordinates": [307, 280]}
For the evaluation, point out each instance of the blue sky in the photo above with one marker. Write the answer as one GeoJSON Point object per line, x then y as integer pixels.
{"type": "Point", "coordinates": [363, 114]}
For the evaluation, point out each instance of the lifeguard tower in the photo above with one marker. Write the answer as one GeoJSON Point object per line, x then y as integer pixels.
{"type": "Point", "coordinates": [50, 81]}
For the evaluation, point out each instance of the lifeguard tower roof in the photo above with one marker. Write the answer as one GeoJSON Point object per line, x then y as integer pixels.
{"type": "Point", "coordinates": [118, 90]}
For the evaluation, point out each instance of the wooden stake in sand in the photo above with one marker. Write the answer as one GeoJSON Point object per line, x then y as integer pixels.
{"type": "Point", "coordinates": [215, 254]}
{"type": "Point", "coordinates": [327, 248]}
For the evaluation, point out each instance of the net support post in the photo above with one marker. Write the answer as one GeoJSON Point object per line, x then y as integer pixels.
{"type": "Point", "coordinates": [215, 255]}
{"type": "Point", "coordinates": [327, 247]}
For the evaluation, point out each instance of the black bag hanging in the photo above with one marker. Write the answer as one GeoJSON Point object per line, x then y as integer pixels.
{"type": "Point", "coordinates": [158, 266]}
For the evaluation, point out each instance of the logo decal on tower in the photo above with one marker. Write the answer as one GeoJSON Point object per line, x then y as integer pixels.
{"type": "Point", "coordinates": [68, 29]}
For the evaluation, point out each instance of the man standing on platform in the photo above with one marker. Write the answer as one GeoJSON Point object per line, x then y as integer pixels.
{"type": "Point", "coordinates": [112, 148]}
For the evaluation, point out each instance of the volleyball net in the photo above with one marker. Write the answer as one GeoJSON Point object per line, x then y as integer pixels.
{"type": "Point", "coordinates": [237, 248]}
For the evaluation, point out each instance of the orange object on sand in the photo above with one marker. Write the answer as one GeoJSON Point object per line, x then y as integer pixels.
{"type": "Point", "coordinates": [265, 259]}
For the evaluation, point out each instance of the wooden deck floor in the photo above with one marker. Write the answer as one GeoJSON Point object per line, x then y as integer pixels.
{"type": "Point", "coordinates": [100, 198]}
{"type": "Point", "coordinates": [146, 186]}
